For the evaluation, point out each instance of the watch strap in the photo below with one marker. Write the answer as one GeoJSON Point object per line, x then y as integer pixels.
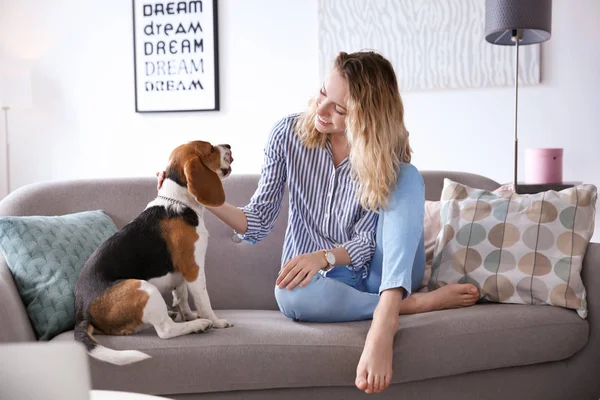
{"type": "Point", "coordinates": [325, 268]}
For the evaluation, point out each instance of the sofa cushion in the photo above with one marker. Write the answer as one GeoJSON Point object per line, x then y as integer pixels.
{"type": "Point", "coordinates": [432, 225]}
{"type": "Point", "coordinates": [266, 350]}
{"type": "Point", "coordinates": [45, 256]}
{"type": "Point", "coordinates": [516, 248]}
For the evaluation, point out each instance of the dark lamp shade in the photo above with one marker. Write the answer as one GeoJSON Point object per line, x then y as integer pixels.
{"type": "Point", "coordinates": [534, 17]}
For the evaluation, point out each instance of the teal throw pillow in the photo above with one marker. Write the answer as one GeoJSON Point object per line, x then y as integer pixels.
{"type": "Point", "coordinates": [45, 256]}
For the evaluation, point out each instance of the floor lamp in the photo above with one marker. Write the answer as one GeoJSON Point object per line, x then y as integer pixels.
{"type": "Point", "coordinates": [517, 23]}
{"type": "Point", "coordinates": [15, 93]}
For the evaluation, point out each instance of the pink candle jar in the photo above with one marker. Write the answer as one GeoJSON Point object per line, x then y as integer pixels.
{"type": "Point", "coordinates": [543, 166]}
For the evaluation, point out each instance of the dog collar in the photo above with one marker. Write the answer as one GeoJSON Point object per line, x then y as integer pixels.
{"type": "Point", "coordinates": [181, 203]}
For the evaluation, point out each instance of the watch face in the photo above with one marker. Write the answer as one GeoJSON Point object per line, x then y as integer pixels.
{"type": "Point", "coordinates": [330, 258]}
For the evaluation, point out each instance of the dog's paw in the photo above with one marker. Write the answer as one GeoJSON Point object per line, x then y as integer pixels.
{"type": "Point", "coordinates": [221, 323]}
{"type": "Point", "coordinates": [202, 325]}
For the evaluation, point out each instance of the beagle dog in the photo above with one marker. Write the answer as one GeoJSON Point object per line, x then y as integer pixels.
{"type": "Point", "coordinates": [121, 286]}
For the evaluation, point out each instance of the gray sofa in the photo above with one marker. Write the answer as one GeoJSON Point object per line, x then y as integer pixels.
{"type": "Point", "coordinates": [489, 351]}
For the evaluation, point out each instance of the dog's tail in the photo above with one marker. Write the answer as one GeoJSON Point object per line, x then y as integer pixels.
{"type": "Point", "coordinates": [83, 334]}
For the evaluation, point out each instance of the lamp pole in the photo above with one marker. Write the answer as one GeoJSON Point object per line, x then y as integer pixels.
{"type": "Point", "coordinates": [517, 35]}
{"type": "Point", "coordinates": [517, 23]}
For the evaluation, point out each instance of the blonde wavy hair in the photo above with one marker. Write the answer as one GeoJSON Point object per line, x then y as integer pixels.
{"type": "Point", "coordinates": [374, 126]}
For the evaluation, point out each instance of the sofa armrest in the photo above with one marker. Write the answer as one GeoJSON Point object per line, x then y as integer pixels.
{"type": "Point", "coordinates": [591, 279]}
{"type": "Point", "coordinates": [14, 322]}
{"type": "Point", "coordinates": [584, 365]}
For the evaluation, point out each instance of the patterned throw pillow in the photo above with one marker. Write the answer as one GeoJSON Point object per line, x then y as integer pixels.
{"type": "Point", "coordinates": [45, 256]}
{"type": "Point", "coordinates": [516, 248]}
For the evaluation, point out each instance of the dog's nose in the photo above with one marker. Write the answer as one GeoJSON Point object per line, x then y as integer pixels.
{"type": "Point", "coordinates": [228, 146]}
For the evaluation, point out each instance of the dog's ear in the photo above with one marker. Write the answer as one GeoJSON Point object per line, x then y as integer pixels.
{"type": "Point", "coordinates": [203, 183]}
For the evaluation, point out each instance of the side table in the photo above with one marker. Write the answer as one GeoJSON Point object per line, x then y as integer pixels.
{"type": "Point", "coordinates": [532, 188]}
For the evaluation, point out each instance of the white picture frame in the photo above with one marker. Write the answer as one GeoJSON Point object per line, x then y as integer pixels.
{"type": "Point", "coordinates": [176, 58]}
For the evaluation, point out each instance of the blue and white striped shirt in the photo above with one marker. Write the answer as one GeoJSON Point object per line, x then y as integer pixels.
{"type": "Point", "coordinates": [324, 211]}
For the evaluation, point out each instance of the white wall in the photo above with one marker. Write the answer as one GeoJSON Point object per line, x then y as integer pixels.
{"type": "Point", "coordinates": [472, 130]}
{"type": "Point", "coordinates": [83, 122]}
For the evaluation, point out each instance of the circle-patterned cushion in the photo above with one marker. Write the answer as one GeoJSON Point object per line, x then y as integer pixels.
{"type": "Point", "coordinates": [516, 248]}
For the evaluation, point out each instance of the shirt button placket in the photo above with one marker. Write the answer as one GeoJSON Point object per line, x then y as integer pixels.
{"type": "Point", "coordinates": [329, 202]}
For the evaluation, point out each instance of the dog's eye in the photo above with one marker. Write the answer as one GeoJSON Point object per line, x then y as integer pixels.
{"type": "Point", "coordinates": [212, 149]}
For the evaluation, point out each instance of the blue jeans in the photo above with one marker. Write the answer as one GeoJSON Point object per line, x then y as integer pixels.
{"type": "Point", "coordinates": [398, 262]}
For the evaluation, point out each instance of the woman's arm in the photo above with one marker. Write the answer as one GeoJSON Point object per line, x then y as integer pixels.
{"type": "Point", "coordinates": [232, 216]}
{"type": "Point", "coordinates": [301, 269]}
{"type": "Point", "coordinates": [263, 209]}
{"type": "Point", "coordinates": [256, 220]}
{"type": "Point", "coordinates": [361, 246]}
{"type": "Point", "coordinates": [356, 252]}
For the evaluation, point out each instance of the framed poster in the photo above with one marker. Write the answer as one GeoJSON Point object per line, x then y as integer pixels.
{"type": "Point", "coordinates": [176, 63]}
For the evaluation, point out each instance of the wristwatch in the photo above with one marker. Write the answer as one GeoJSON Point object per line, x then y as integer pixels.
{"type": "Point", "coordinates": [330, 258]}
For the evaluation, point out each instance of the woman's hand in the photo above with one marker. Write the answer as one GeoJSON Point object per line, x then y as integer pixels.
{"type": "Point", "coordinates": [160, 176]}
{"type": "Point", "coordinates": [300, 270]}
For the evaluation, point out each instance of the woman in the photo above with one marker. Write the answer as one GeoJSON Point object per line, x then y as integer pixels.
{"type": "Point", "coordinates": [354, 200]}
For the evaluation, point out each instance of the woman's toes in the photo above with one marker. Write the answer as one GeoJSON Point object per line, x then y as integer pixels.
{"type": "Point", "coordinates": [382, 384]}
{"type": "Point", "coordinates": [361, 381]}
{"type": "Point", "coordinates": [467, 289]}
{"type": "Point", "coordinates": [471, 289]}
{"type": "Point", "coordinates": [370, 383]}
{"type": "Point", "coordinates": [376, 385]}
{"type": "Point", "coordinates": [386, 382]}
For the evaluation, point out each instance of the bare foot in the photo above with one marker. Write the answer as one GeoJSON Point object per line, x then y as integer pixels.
{"type": "Point", "coordinates": [454, 295]}
{"type": "Point", "coordinates": [374, 370]}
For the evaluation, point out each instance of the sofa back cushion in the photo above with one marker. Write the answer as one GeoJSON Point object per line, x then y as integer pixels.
{"type": "Point", "coordinates": [239, 275]}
